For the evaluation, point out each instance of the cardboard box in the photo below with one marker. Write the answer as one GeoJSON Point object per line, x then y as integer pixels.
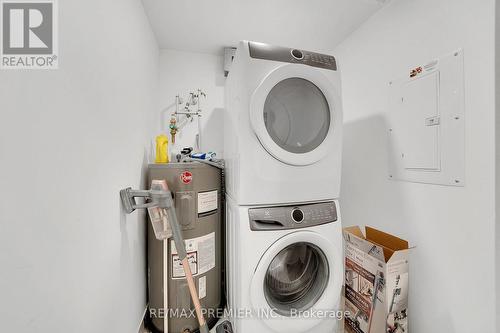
{"type": "Point", "coordinates": [376, 282]}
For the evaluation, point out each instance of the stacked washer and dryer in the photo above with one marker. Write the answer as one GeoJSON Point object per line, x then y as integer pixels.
{"type": "Point", "coordinates": [283, 131]}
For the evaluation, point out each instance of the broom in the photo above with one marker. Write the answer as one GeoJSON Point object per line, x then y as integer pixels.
{"type": "Point", "coordinates": [163, 199]}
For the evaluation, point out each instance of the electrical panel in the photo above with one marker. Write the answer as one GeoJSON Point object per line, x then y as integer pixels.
{"type": "Point", "coordinates": [426, 123]}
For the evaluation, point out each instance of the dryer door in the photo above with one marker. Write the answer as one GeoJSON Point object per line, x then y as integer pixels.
{"type": "Point", "coordinates": [298, 274]}
{"type": "Point", "coordinates": [293, 113]}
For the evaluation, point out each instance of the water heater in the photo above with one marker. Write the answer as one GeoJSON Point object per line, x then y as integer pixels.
{"type": "Point", "coordinates": [197, 191]}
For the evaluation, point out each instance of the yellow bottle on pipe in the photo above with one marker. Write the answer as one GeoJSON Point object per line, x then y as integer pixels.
{"type": "Point", "coordinates": [161, 149]}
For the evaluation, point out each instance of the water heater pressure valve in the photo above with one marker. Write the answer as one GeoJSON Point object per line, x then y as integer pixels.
{"type": "Point", "coordinates": [173, 128]}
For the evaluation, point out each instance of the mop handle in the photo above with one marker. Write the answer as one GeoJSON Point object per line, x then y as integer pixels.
{"type": "Point", "coordinates": [181, 251]}
{"type": "Point", "coordinates": [193, 292]}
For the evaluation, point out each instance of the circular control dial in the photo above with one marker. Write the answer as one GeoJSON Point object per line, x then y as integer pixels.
{"type": "Point", "coordinates": [297, 215]}
{"type": "Point", "coordinates": [297, 54]}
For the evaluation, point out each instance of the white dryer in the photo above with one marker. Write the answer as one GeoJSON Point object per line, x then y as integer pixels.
{"type": "Point", "coordinates": [284, 267]}
{"type": "Point", "coordinates": [283, 125]}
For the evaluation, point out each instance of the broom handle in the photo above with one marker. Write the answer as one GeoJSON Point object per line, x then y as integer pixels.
{"type": "Point", "coordinates": [163, 199]}
{"type": "Point", "coordinates": [181, 251]}
{"type": "Point", "coordinates": [193, 292]}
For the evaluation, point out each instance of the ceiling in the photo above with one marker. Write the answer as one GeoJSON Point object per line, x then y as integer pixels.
{"type": "Point", "coordinates": [209, 25]}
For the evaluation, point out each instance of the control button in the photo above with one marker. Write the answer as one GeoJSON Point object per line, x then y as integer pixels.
{"type": "Point", "coordinates": [297, 215]}
{"type": "Point", "coordinates": [297, 54]}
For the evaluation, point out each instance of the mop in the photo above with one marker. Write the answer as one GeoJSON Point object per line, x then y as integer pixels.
{"type": "Point", "coordinates": [163, 200]}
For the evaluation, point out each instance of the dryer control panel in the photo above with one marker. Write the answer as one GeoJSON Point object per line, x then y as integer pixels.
{"type": "Point", "coordinates": [285, 54]}
{"type": "Point", "coordinates": [292, 217]}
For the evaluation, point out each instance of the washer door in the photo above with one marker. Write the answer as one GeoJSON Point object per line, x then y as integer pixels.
{"type": "Point", "coordinates": [293, 114]}
{"type": "Point", "coordinates": [298, 274]}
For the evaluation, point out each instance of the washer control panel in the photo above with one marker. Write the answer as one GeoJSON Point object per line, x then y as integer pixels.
{"type": "Point", "coordinates": [285, 54]}
{"type": "Point", "coordinates": [291, 217]}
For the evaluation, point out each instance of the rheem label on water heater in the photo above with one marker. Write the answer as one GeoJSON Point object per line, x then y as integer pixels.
{"type": "Point", "coordinates": [201, 256]}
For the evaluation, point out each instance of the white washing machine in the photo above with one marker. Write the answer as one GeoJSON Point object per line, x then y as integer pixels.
{"type": "Point", "coordinates": [284, 267]}
{"type": "Point", "coordinates": [283, 125]}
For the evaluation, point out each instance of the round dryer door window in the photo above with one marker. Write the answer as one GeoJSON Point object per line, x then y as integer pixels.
{"type": "Point", "coordinates": [297, 115]}
{"type": "Point", "coordinates": [294, 111]}
{"type": "Point", "coordinates": [296, 278]}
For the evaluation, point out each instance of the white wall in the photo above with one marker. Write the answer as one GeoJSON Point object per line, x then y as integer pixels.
{"type": "Point", "coordinates": [452, 268]}
{"type": "Point", "coordinates": [181, 73]}
{"type": "Point", "coordinates": [70, 139]}
{"type": "Point", "coordinates": [497, 148]}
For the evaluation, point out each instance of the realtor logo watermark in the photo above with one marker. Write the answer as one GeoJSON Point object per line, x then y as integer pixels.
{"type": "Point", "coordinates": [29, 34]}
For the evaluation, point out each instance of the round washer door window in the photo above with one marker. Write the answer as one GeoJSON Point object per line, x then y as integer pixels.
{"type": "Point", "coordinates": [297, 115]}
{"type": "Point", "coordinates": [303, 271]}
{"type": "Point", "coordinates": [296, 278]}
